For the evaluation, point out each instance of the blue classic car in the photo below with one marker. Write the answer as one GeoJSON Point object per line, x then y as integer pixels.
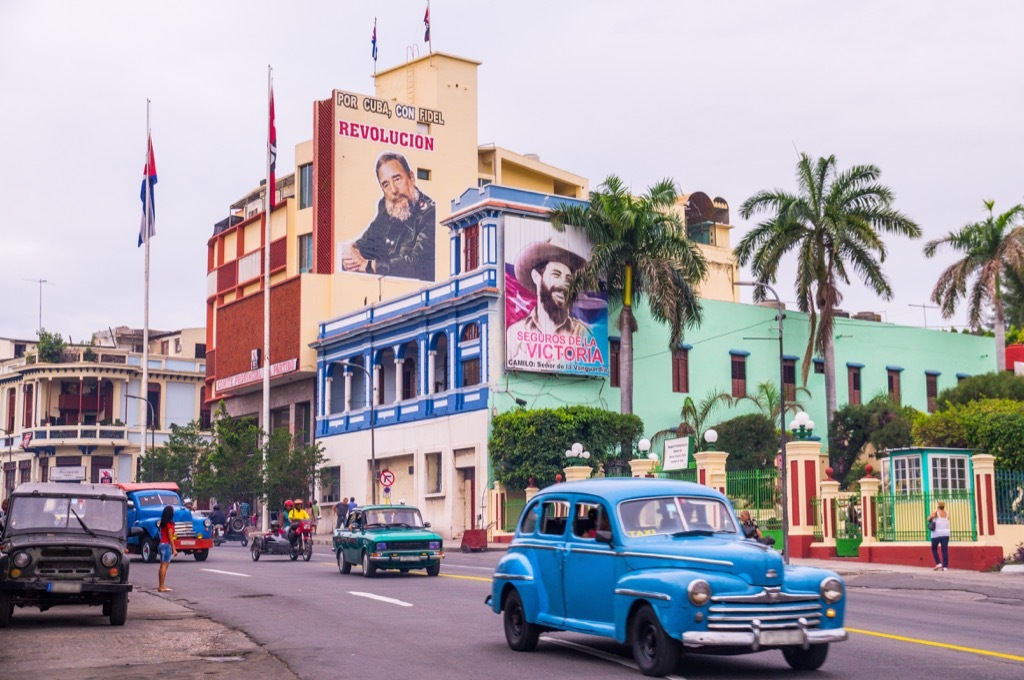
{"type": "Point", "coordinates": [663, 566]}
{"type": "Point", "coordinates": [193, 534]}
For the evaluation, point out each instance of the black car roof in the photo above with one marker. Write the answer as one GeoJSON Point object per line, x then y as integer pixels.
{"type": "Point", "coordinates": [70, 490]}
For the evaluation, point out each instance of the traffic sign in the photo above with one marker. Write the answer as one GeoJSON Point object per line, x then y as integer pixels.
{"type": "Point", "coordinates": [386, 477]}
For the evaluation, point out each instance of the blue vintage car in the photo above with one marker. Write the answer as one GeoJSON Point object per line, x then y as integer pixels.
{"type": "Point", "coordinates": [663, 566]}
{"type": "Point", "coordinates": [146, 500]}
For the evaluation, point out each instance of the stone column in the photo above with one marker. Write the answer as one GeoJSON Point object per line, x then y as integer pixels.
{"type": "Point", "coordinates": [803, 458]}
{"type": "Point", "coordinates": [574, 472]}
{"type": "Point", "coordinates": [985, 497]}
{"type": "Point", "coordinates": [711, 469]}
{"type": "Point", "coordinates": [398, 379]}
{"type": "Point", "coordinates": [869, 487]}
{"type": "Point", "coordinates": [348, 389]}
{"type": "Point", "coordinates": [531, 491]}
{"type": "Point", "coordinates": [327, 395]}
{"type": "Point", "coordinates": [430, 371]}
{"type": "Point", "coordinates": [641, 467]}
{"type": "Point", "coordinates": [829, 494]}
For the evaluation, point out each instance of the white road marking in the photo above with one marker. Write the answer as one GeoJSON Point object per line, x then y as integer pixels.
{"type": "Point", "coordinates": [229, 573]}
{"type": "Point", "coordinates": [381, 598]}
{"type": "Point", "coordinates": [601, 655]}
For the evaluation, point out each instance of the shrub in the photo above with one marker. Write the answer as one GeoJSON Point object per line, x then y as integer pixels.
{"type": "Point", "coordinates": [994, 426]}
{"type": "Point", "coordinates": [751, 441]}
{"type": "Point", "coordinates": [879, 422]}
{"type": "Point", "coordinates": [980, 387]}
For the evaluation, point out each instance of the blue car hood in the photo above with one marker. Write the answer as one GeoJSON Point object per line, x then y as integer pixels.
{"type": "Point", "coordinates": [756, 564]}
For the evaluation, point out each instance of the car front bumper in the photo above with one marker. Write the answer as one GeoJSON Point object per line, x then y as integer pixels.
{"type": "Point", "coordinates": [400, 561]}
{"type": "Point", "coordinates": [59, 589]}
{"type": "Point", "coordinates": [755, 640]}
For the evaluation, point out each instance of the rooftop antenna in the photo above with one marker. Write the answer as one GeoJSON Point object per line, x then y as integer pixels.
{"type": "Point", "coordinates": [924, 310]}
{"type": "Point", "coordinates": [40, 282]}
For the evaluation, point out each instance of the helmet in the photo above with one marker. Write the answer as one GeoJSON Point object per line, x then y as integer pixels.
{"type": "Point", "coordinates": [299, 502]}
{"type": "Point", "coordinates": [188, 501]}
{"type": "Point", "coordinates": [287, 504]}
{"type": "Point", "coordinates": [274, 524]}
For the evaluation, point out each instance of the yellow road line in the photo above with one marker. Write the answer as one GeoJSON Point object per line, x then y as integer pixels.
{"type": "Point", "coordinates": [943, 645]}
{"type": "Point", "coordinates": [468, 578]}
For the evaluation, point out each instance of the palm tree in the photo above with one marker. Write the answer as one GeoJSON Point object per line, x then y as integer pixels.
{"type": "Point", "coordinates": [639, 250]}
{"type": "Point", "coordinates": [694, 416]}
{"type": "Point", "coordinates": [835, 223]}
{"type": "Point", "coordinates": [768, 400]}
{"type": "Point", "coordinates": [992, 249]}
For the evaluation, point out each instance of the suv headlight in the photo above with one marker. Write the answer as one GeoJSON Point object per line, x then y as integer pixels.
{"type": "Point", "coordinates": [831, 590]}
{"type": "Point", "coordinates": [699, 592]}
{"type": "Point", "coordinates": [22, 560]}
{"type": "Point", "coordinates": [380, 546]}
{"type": "Point", "coordinates": [434, 545]}
{"type": "Point", "coordinates": [109, 559]}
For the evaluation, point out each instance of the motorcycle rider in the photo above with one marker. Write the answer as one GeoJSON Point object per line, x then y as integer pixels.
{"type": "Point", "coordinates": [295, 515]}
{"type": "Point", "coordinates": [217, 518]}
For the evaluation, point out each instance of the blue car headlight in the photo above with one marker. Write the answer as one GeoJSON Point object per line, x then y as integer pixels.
{"type": "Point", "coordinates": [435, 545]}
{"type": "Point", "coordinates": [381, 546]}
{"type": "Point", "coordinates": [831, 590]}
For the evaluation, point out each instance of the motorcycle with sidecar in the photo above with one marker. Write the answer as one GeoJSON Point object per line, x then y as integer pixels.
{"type": "Point", "coordinates": [236, 529]}
{"type": "Point", "coordinates": [275, 542]}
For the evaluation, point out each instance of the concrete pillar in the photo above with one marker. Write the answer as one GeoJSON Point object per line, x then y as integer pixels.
{"type": "Point", "coordinates": [829, 494]}
{"type": "Point", "coordinates": [327, 395]}
{"type": "Point", "coordinates": [531, 491]}
{"type": "Point", "coordinates": [398, 379]}
{"type": "Point", "coordinates": [869, 487]}
{"type": "Point", "coordinates": [430, 371]}
{"type": "Point", "coordinates": [984, 466]}
{"type": "Point", "coordinates": [803, 458]}
{"type": "Point", "coordinates": [711, 469]}
{"type": "Point", "coordinates": [574, 472]}
{"type": "Point", "coordinates": [641, 467]}
{"type": "Point", "coordinates": [375, 397]}
{"type": "Point", "coordinates": [348, 389]}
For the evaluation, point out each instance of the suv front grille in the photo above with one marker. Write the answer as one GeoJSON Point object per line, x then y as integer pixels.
{"type": "Point", "coordinates": [772, 608]}
{"type": "Point", "coordinates": [184, 529]}
{"type": "Point", "coordinates": [66, 552]}
{"type": "Point", "coordinates": [65, 568]}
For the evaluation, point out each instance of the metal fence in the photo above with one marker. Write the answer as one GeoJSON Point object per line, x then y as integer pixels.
{"type": "Point", "coordinates": [688, 475]}
{"type": "Point", "coordinates": [903, 517]}
{"type": "Point", "coordinates": [760, 492]}
{"type": "Point", "coordinates": [510, 510]}
{"type": "Point", "coordinates": [1010, 496]}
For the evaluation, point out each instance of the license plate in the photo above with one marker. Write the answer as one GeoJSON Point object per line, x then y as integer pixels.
{"type": "Point", "coordinates": [782, 637]}
{"type": "Point", "coordinates": [409, 558]}
{"type": "Point", "coordinates": [186, 541]}
{"type": "Point", "coordinates": [63, 587]}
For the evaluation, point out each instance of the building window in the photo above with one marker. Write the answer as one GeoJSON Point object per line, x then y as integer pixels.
{"type": "Point", "coordinates": [789, 380]}
{"type": "Point", "coordinates": [330, 484]}
{"type": "Point", "coordinates": [434, 478]}
{"type": "Point", "coordinates": [301, 423]}
{"type": "Point", "coordinates": [680, 370]}
{"type": "Point", "coordinates": [305, 186]}
{"type": "Point", "coordinates": [470, 332]}
{"type": "Point", "coordinates": [949, 473]}
{"type": "Point", "coordinates": [932, 390]}
{"type": "Point", "coordinates": [906, 474]}
{"type": "Point", "coordinates": [205, 421]}
{"type": "Point", "coordinates": [853, 380]}
{"type": "Point", "coordinates": [99, 463]}
{"type": "Point", "coordinates": [27, 422]}
{"type": "Point", "coordinates": [305, 253]}
{"type": "Point", "coordinates": [409, 378]}
{"type": "Point", "coordinates": [471, 372]}
{"type": "Point", "coordinates": [154, 401]}
{"type": "Point", "coordinates": [613, 361]}
{"type": "Point", "coordinates": [177, 346]}
{"type": "Point", "coordinates": [422, 173]}
{"type": "Point", "coordinates": [200, 350]}
{"type": "Point", "coordinates": [819, 367]}
{"type": "Point", "coordinates": [894, 386]}
{"type": "Point", "coordinates": [164, 347]}
{"type": "Point", "coordinates": [471, 248]}
{"type": "Point", "coordinates": [739, 375]}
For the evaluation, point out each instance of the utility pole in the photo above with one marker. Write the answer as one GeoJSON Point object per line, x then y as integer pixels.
{"type": "Point", "coordinates": [924, 310]}
{"type": "Point", "coordinates": [40, 282]}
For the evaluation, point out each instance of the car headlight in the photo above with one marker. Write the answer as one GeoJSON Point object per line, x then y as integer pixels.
{"type": "Point", "coordinates": [831, 589]}
{"type": "Point", "coordinates": [435, 545]}
{"type": "Point", "coordinates": [381, 546]}
{"type": "Point", "coordinates": [109, 558]}
{"type": "Point", "coordinates": [206, 524]}
{"type": "Point", "coordinates": [22, 559]}
{"type": "Point", "coordinates": [699, 592]}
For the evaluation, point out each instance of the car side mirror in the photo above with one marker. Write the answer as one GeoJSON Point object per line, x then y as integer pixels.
{"type": "Point", "coordinates": [602, 536]}
{"type": "Point", "coordinates": [426, 525]}
{"type": "Point", "coordinates": [131, 505]}
{"type": "Point", "coordinates": [136, 531]}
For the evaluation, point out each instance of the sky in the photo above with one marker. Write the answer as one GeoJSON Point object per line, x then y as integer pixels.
{"type": "Point", "coordinates": [720, 97]}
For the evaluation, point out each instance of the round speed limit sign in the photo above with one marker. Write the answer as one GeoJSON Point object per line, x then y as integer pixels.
{"type": "Point", "coordinates": [386, 477]}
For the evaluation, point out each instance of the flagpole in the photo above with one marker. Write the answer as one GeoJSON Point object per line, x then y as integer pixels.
{"type": "Point", "coordinates": [144, 387]}
{"type": "Point", "coordinates": [430, 42]}
{"type": "Point", "coordinates": [265, 519]}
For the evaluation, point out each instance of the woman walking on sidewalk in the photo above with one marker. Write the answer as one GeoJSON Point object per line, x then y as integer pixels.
{"type": "Point", "coordinates": [940, 536]}
{"type": "Point", "coordinates": [166, 549]}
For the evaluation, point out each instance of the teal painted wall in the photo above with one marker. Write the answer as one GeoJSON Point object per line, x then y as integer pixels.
{"type": "Point", "coordinates": [731, 326]}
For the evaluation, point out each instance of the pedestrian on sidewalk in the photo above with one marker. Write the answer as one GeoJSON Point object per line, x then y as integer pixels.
{"type": "Point", "coordinates": [340, 513]}
{"type": "Point", "coordinates": [166, 549]}
{"type": "Point", "coordinates": [940, 536]}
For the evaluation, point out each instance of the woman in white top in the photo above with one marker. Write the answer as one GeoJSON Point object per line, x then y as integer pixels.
{"type": "Point", "coordinates": [940, 536]}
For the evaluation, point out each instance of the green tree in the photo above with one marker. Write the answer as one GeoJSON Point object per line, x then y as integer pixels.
{"type": "Point", "coordinates": [693, 416]}
{"type": "Point", "coordinates": [768, 400]}
{"type": "Point", "coordinates": [233, 469]}
{"type": "Point", "coordinates": [51, 346]}
{"type": "Point", "coordinates": [181, 460]}
{"type": "Point", "coordinates": [291, 468]}
{"type": "Point", "coordinates": [990, 248]}
{"type": "Point", "coordinates": [640, 251]}
{"type": "Point", "coordinates": [835, 223]}
{"type": "Point", "coordinates": [986, 386]}
{"type": "Point", "coordinates": [994, 426]}
{"type": "Point", "coordinates": [752, 441]}
{"type": "Point", "coordinates": [531, 444]}
{"type": "Point", "coordinates": [879, 422]}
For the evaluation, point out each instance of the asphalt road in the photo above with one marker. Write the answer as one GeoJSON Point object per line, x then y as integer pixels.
{"type": "Point", "coordinates": [310, 621]}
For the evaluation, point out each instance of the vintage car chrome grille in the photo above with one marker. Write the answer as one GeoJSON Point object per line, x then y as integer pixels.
{"type": "Point", "coordinates": [184, 529]}
{"type": "Point", "coordinates": [65, 552]}
{"type": "Point", "coordinates": [407, 545]}
{"type": "Point", "coordinates": [64, 568]}
{"type": "Point", "coordinates": [772, 608]}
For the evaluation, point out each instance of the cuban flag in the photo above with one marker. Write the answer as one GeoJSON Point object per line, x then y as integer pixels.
{"type": "Point", "coordinates": [426, 24]}
{"type": "Point", "coordinates": [272, 151]}
{"type": "Point", "coordinates": [373, 40]}
{"type": "Point", "coordinates": [147, 227]}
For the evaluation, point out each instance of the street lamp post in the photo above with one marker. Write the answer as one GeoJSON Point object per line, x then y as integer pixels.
{"type": "Point", "coordinates": [373, 446]}
{"type": "Point", "coordinates": [152, 432]}
{"type": "Point", "coordinates": [782, 416]}
{"type": "Point", "coordinates": [10, 455]}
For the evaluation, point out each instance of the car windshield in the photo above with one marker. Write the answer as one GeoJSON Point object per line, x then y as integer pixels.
{"type": "Point", "coordinates": [402, 517]}
{"type": "Point", "coordinates": [34, 513]}
{"type": "Point", "coordinates": [161, 499]}
{"type": "Point", "coordinates": [675, 515]}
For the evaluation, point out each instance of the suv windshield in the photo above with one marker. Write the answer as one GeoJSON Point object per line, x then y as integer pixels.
{"type": "Point", "coordinates": [34, 513]}
{"type": "Point", "coordinates": [675, 514]}
{"type": "Point", "coordinates": [398, 516]}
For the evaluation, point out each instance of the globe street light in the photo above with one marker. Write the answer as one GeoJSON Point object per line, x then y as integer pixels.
{"type": "Point", "coordinates": [373, 448]}
{"type": "Point", "coordinates": [577, 452]}
{"type": "Point", "coordinates": [711, 436]}
{"type": "Point", "coordinates": [644, 445]}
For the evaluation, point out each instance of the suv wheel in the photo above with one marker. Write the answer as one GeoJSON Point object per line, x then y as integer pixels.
{"type": "Point", "coordinates": [149, 549]}
{"type": "Point", "coordinates": [520, 634]}
{"type": "Point", "coordinates": [653, 650]}
{"type": "Point", "coordinates": [6, 608]}
{"type": "Point", "coordinates": [118, 609]}
{"type": "Point", "coordinates": [201, 555]}
{"type": "Point", "coordinates": [369, 568]}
